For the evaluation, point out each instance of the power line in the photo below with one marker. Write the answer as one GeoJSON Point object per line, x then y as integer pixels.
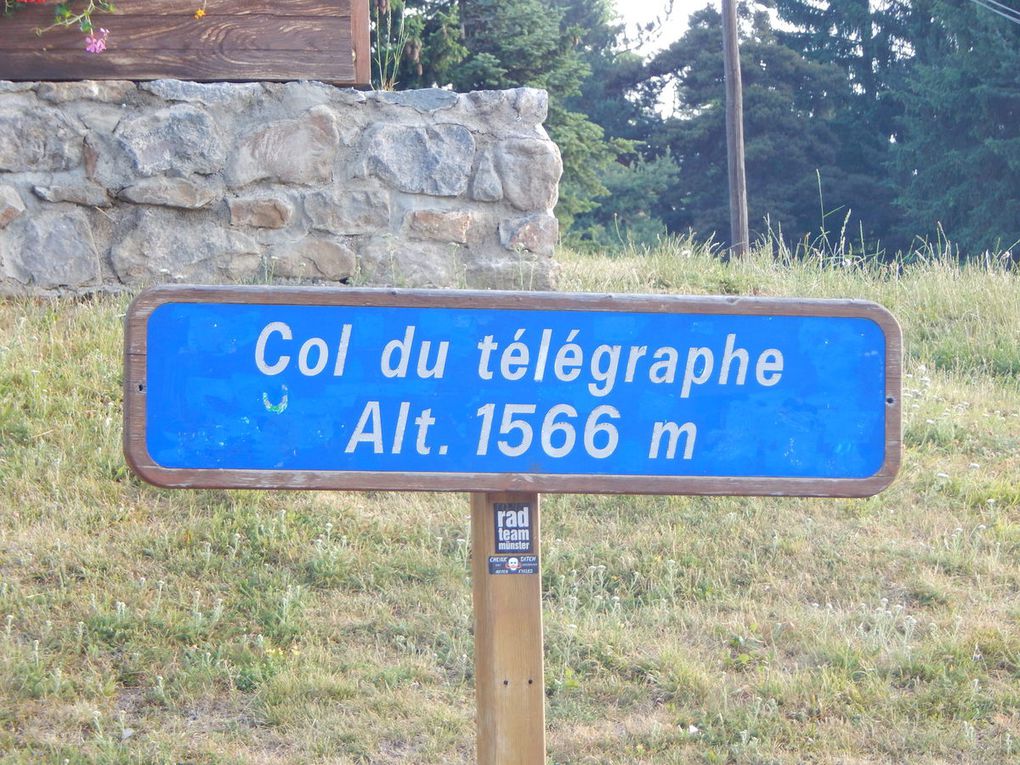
{"type": "Point", "coordinates": [1013, 15]}
{"type": "Point", "coordinates": [1009, 9]}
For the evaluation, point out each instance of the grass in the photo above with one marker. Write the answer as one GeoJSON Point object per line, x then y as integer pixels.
{"type": "Point", "coordinates": [139, 625]}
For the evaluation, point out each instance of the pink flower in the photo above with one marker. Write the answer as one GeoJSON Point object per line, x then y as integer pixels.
{"type": "Point", "coordinates": [96, 42]}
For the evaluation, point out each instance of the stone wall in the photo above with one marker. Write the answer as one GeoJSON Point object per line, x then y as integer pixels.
{"type": "Point", "coordinates": [106, 185]}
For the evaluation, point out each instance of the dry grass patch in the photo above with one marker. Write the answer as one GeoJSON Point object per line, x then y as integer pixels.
{"type": "Point", "coordinates": [139, 625]}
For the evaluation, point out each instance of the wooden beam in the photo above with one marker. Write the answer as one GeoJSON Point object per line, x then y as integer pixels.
{"type": "Point", "coordinates": [211, 67]}
{"type": "Point", "coordinates": [212, 8]}
{"type": "Point", "coordinates": [190, 37]}
{"type": "Point", "coordinates": [361, 36]}
{"type": "Point", "coordinates": [251, 40]}
{"type": "Point", "coordinates": [509, 662]}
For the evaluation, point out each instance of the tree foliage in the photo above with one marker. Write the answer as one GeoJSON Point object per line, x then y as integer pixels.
{"type": "Point", "coordinates": [788, 124]}
{"type": "Point", "coordinates": [879, 121]}
{"type": "Point", "coordinates": [958, 149]}
{"type": "Point", "coordinates": [486, 44]}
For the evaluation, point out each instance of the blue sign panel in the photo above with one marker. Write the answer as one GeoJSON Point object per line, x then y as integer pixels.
{"type": "Point", "coordinates": [437, 386]}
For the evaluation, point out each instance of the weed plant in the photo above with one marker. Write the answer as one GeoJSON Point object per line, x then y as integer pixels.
{"type": "Point", "coordinates": [139, 625]}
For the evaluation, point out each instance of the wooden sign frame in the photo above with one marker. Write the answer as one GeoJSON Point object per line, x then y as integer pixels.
{"type": "Point", "coordinates": [235, 40]}
{"type": "Point", "coordinates": [136, 390]}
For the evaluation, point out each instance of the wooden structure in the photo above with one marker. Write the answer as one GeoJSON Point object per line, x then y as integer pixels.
{"type": "Point", "coordinates": [236, 40]}
{"type": "Point", "coordinates": [739, 235]}
{"type": "Point", "coordinates": [509, 665]}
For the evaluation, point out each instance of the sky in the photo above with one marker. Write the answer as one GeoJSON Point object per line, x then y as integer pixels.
{"type": "Point", "coordinates": [636, 12]}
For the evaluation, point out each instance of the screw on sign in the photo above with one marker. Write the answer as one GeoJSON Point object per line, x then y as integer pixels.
{"type": "Point", "coordinates": [506, 395]}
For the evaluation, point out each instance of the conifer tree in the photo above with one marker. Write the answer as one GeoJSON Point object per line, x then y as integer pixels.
{"type": "Point", "coordinates": [788, 112]}
{"type": "Point", "coordinates": [487, 44]}
{"type": "Point", "coordinates": [958, 149]}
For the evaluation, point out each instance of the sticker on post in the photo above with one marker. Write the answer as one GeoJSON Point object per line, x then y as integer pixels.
{"type": "Point", "coordinates": [513, 527]}
{"type": "Point", "coordinates": [513, 564]}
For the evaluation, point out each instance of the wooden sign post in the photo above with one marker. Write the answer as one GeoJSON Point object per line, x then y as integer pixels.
{"type": "Point", "coordinates": [509, 663]}
{"type": "Point", "coordinates": [505, 395]}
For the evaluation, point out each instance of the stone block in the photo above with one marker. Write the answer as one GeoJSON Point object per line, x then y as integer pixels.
{"type": "Point", "coordinates": [510, 271]}
{"type": "Point", "coordinates": [162, 248]}
{"type": "Point", "coordinates": [53, 251]}
{"type": "Point", "coordinates": [299, 96]}
{"type": "Point", "coordinates": [182, 138]}
{"type": "Point", "coordinates": [234, 96]}
{"type": "Point", "coordinates": [38, 141]}
{"type": "Point", "coordinates": [485, 183]}
{"type": "Point", "coordinates": [84, 192]}
{"type": "Point", "coordinates": [260, 212]}
{"type": "Point", "coordinates": [529, 170]}
{"type": "Point", "coordinates": [97, 116]}
{"type": "Point", "coordinates": [11, 205]}
{"type": "Point", "coordinates": [423, 100]}
{"type": "Point", "coordinates": [314, 260]}
{"type": "Point", "coordinates": [111, 92]}
{"type": "Point", "coordinates": [440, 225]}
{"type": "Point", "coordinates": [342, 211]}
{"type": "Point", "coordinates": [300, 151]}
{"type": "Point", "coordinates": [171, 192]}
{"type": "Point", "coordinates": [107, 162]}
{"type": "Point", "coordinates": [535, 233]}
{"type": "Point", "coordinates": [517, 110]}
{"type": "Point", "coordinates": [433, 160]}
{"type": "Point", "coordinates": [393, 262]}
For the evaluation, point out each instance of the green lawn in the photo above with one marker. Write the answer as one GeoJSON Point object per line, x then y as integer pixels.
{"type": "Point", "coordinates": [139, 625]}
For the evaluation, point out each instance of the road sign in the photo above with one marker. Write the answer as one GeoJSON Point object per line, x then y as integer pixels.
{"type": "Point", "coordinates": [513, 393]}
{"type": "Point", "coordinates": [479, 391]}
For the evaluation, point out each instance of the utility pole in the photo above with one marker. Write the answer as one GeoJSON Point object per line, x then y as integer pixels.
{"type": "Point", "coordinates": [735, 131]}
